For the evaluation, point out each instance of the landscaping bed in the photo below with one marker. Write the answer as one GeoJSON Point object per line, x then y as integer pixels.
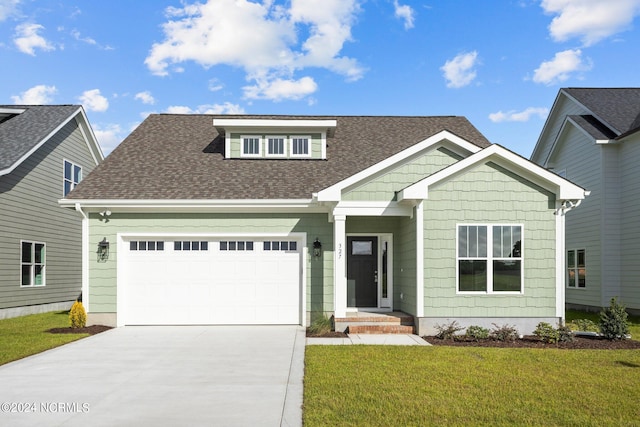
{"type": "Point", "coordinates": [91, 330]}
{"type": "Point", "coordinates": [532, 341]}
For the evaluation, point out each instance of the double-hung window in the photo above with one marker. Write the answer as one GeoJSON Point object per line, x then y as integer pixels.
{"type": "Point", "coordinates": [32, 264]}
{"type": "Point", "coordinates": [300, 146]}
{"type": "Point", "coordinates": [72, 176]}
{"type": "Point", "coordinates": [577, 269]}
{"type": "Point", "coordinates": [276, 146]}
{"type": "Point", "coordinates": [251, 146]}
{"type": "Point", "coordinates": [489, 258]}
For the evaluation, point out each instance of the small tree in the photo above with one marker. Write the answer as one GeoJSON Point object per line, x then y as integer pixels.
{"type": "Point", "coordinates": [77, 315]}
{"type": "Point", "coordinates": [613, 321]}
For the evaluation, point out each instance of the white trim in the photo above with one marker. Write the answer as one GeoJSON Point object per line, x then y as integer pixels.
{"type": "Point", "coordinates": [32, 264]}
{"type": "Point", "coordinates": [122, 265]}
{"type": "Point", "coordinates": [420, 259]}
{"type": "Point", "coordinates": [12, 110]}
{"type": "Point", "coordinates": [284, 146]}
{"type": "Point", "coordinates": [560, 262]}
{"type": "Point", "coordinates": [231, 124]}
{"type": "Point", "coordinates": [85, 258]}
{"type": "Point", "coordinates": [339, 266]}
{"type": "Point", "coordinates": [564, 189]}
{"type": "Point", "coordinates": [64, 175]}
{"type": "Point", "coordinates": [372, 209]}
{"type": "Point", "coordinates": [334, 192]}
{"type": "Point", "coordinates": [251, 155]}
{"type": "Point", "coordinates": [90, 138]}
{"type": "Point", "coordinates": [309, 152]}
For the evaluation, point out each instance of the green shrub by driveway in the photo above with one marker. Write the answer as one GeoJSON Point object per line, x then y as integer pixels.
{"type": "Point", "coordinates": [23, 336]}
{"type": "Point", "coordinates": [469, 386]}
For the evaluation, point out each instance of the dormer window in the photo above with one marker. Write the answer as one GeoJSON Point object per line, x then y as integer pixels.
{"type": "Point", "coordinates": [300, 146]}
{"type": "Point", "coordinates": [276, 146]}
{"type": "Point", "coordinates": [251, 146]}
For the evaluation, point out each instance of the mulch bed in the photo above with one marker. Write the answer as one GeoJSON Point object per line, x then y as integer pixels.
{"type": "Point", "coordinates": [332, 334]}
{"type": "Point", "coordinates": [91, 330]}
{"type": "Point", "coordinates": [588, 343]}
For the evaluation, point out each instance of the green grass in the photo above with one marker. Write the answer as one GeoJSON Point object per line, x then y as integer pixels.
{"type": "Point", "coordinates": [23, 336]}
{"type": "Point", "coordinates": [464, 386]}
{"type": "Point", "coordinates": [634, 321]}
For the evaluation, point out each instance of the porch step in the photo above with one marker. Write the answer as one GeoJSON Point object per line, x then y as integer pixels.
{"type": "Point", "coordinates": [375, 323]}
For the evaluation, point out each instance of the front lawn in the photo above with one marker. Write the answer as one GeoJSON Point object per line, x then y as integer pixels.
{"type": "Point", "coordinates": [23, 336]}
{"type": "Point", "coordinates": [452, 386]}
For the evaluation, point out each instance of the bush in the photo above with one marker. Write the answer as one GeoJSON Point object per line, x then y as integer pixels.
{"type": "Point", "coordinates": [584, 325]}
{"type": "Point", "coordinates": [613, 321]}
{"type": "Point", "coordinates": [448, 331]}
{"type": "Point", "coordinates": [547, 333]}
{"type": "Point", "coordinates": [564, 333]}
{"type": "Point", "coordinates": [504, 333]}
{"type": "Point", "coordinates": [77, 315]}
{"type": "Point", "coordinates": [321, 325]}
{"type": "Point", "coordinates": [477, 333]}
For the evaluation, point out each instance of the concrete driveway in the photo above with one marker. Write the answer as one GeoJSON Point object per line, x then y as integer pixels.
{"type": "Point", "coordinates": [161, 376]}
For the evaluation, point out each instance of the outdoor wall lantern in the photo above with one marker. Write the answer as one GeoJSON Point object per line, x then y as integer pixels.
{"type": "Point", "coordinates": [103, 250]}
{"type": "Point", "coordinates": [317, 248]}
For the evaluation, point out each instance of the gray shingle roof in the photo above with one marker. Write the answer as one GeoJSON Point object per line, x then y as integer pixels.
{"type": "Point", "coordinates": [618, 108]}
{"type": "Point", "coordinates": [23, 132]}
{"type": "Point", "coordinates": [181, 157]}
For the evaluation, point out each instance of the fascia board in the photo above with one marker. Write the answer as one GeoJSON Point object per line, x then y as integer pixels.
{"type": "Point", "coordinates": [92, 142]}
{"type": "Point", "coordinates": [564, 189]}
{"type": "Point", "coordinates": [239, 124]}
{"type": "Point", "coordinates": [334, 193]}
{"type": "Point", "coordinates": [550, 119]}
{"type": "Point", "coordinates": [40, 144]}
{"type": "Point", "coordinates": [372, 209]}
{"type": "Point", "coordinates": [12, 110]}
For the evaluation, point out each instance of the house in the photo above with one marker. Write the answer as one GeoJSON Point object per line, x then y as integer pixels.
{"type": "Point", "coordinates": [44, 152]}
{"type": "Point", "coordinates": [205, 219]}
{"type": "Point", "coordinates": [592, 137]}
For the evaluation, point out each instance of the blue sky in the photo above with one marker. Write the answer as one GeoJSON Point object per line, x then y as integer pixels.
{"type": "Point", "coordinates": [500, 63]}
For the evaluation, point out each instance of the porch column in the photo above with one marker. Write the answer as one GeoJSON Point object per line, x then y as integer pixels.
{"type": "Point", "coordinates": [420, 259]}
{"type": "Point", "coordinates": [339, 266]}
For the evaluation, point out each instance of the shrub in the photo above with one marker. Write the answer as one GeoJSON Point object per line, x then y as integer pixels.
{"type": "Point", "coordinates": [77, 315]}
{"type": "Point", "coordinates": [321, 325]}
{"type": "Point", "coordinates": [564, 333]}
{"type": "Point", "coordinates": [448, 331]}
{"type": "Point", "coordinates": [477, 333]}
{"type": "Point", "coordinates": [613, 321]}
{"type": "Point", "coordinates": [547, 333]}
{"type": "Point", "coordinates": [504, 333]}
{"type": "Point", "coordinates": [585, 325]}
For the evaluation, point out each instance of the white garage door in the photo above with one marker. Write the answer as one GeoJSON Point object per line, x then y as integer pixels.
{"type": "Point", "coordinates": [204, 281]}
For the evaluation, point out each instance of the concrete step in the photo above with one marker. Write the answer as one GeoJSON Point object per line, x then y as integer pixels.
{"type": "Point", "coordinates": [375, 323]}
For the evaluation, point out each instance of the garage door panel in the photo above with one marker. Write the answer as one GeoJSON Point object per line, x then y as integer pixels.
{"type": "Point", "coordinates": [213, 286]}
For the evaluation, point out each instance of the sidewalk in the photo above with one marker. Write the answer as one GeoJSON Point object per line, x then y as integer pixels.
{"type": "Point", "coordinates": [370, 339]}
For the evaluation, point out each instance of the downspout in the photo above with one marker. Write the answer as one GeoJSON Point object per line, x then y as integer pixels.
{"type": "Point", "coordinates": [85, 256]}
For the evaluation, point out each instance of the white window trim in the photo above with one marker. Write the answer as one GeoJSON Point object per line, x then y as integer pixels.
{"type": "Point", "coordinates": [285, 145]}
{"type": "Point", "coordinates": [489, 258]}
{"type": "Point", "coordinates": [32, 264]}
{"type": "Point", "coordinates": [64, 177]}
{"type": "Point", "coordinates": [309, 147]}
{"type": "Point", "coordinates": [576, 287]}
{"type": "Point", "coordinates": [260, 143]}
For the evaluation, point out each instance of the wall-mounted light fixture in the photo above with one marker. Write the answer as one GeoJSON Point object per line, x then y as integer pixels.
{"type": "Point", "coordinates": [103, 250]}
{"type": "Point", "coordinates": [317, 248]}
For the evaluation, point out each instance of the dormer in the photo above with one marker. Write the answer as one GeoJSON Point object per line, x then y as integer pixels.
{"type": "Point", "coordinates": [251, 138]}
{"type": "Point", "coordinates": [8, 113]}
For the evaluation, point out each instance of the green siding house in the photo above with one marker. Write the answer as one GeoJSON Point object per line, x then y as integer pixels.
{"type": "Point", "coordinates": [44, 153]}
{"type": "Point", "coordinates": [204, 219]}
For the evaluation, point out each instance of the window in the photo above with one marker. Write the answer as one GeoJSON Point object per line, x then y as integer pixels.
{"type": "Point", "coordinates": [190, 246]}
{"type": "Point", "coordinates": [251, 146]}
{"type": "Point", "coordinates": [280, 246]}
{"type": "Point", "coordinates": [275, 146]}
{"type": "Point", "coordinates": [300, 146]}
{"type": "Point", "coordinates": [72, 176]}
{"type": "Point", "coordinates": [489, 258]}
{"type": "Point", "coordinates": [236, 246]}
{"type": "Point", "coordinates": [142, 245]}
{"type": "Point", "coordinates": [32, 264]}
{"type": "Point", "coordinates": [576, 266]}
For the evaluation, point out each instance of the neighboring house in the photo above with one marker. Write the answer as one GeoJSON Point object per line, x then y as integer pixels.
{"type": "Point", "coordinates": [44, 153]}
{"type": "Point", "coordinates": [592, 137]}
{"type": "Point", "coordinates": [201, 219]}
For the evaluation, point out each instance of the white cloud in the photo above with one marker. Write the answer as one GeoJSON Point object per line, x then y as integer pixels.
{"type": "Point", "coordinates": [459, 71]}
{"type": "Point", "coordinates": [27, 39]}
{"type": "Point", "coordinates": [226, 108]}
{"type": "Point", "coordinates": [145, 97]}
{"type": "Point", "coordinates": [8, 8]}
{"type": "Point", "coordinates": [261, 38]}
{"type": "Point", "coordinates": [215, 85]}
{"type": "Point", "coordinates": [519, 116]}
{"type": "Point", "coordinates": [589, 20]}
{"type": "Point", "coordinates": [93, 101]}
{"type": "Point", "coordinates": [404, 12]}
{"type": "Point", "coordinates": [280, 89]}
{"type": "Point", "coordinates": [37, 95]}
{"type": "Point", "coordinates": [560, 67]}
{"type": "Point", "coordinates": [108, 136]}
